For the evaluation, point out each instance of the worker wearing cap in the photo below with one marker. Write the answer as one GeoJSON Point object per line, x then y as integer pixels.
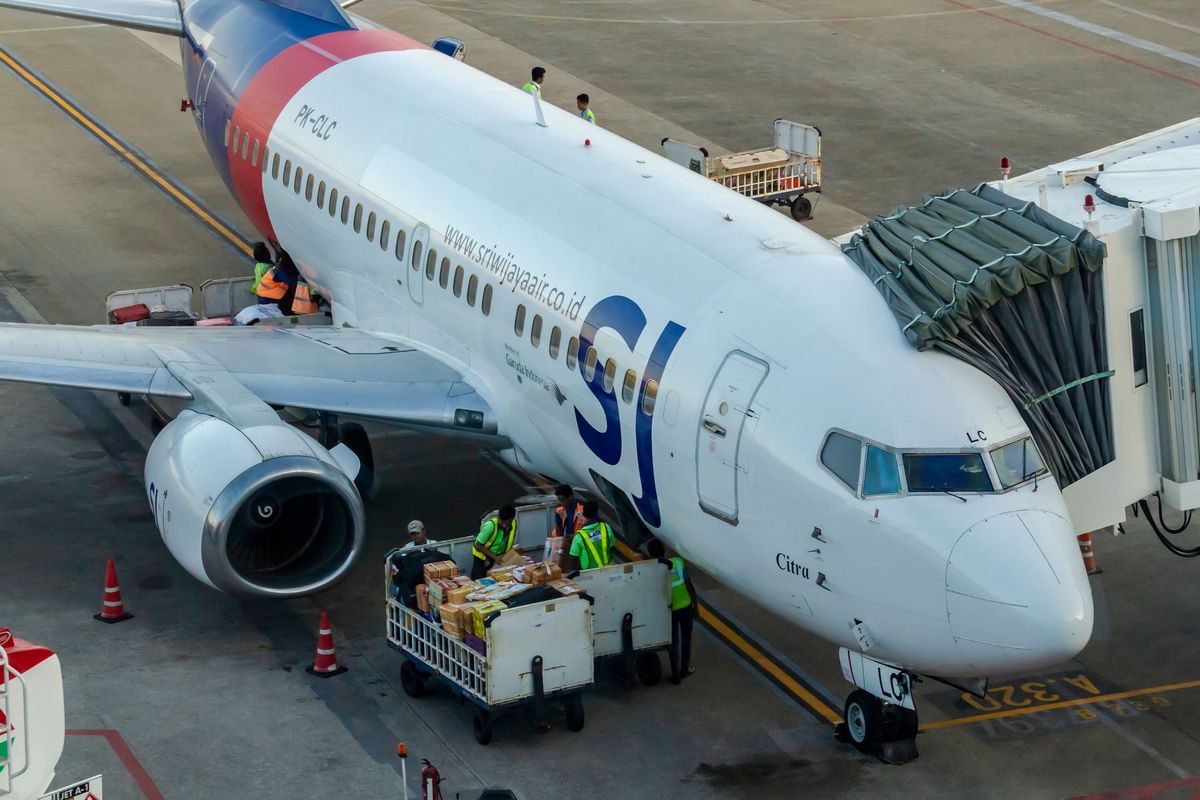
{"type": "Point", "coordinates": [417, 535]}
{"type": "Point", "coordinates": [568, 516]}
{"type": "Point", "coordinates": [537, 77]}
{"type": "Point", "coordinates": [585, 113]}
{"type": "Point", "coordinates": [591, 545]}
{"type": "Point", "coordinates": [496, 537]}
{"type": "Point", "coordinates": [683, 611]}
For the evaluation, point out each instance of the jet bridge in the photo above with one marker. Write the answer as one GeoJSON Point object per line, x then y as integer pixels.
{"type": "Point", "coordinates": [1076, 287]}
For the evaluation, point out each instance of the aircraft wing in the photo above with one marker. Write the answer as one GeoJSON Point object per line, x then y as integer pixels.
{"type": "Point", "coordinates": [338, 370]}
{"type": "Point", "coordinates": [156, 16]}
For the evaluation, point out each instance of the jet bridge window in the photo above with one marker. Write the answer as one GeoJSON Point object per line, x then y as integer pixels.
{"type": "Point", "coordinates": [1137, 333]}
{"type": "Point", "coordinates": [842, 455]}
{"type": "Point", "coordinates": [485, 305]}
{"type": "Point", "coordinates": [946, 472]}
{"type": "Point", "coordinates": [519, 320]}
{"type": "Point", "coordinates": [1017, 462]}
{"type": "Point", "coordinates": [881, 473]}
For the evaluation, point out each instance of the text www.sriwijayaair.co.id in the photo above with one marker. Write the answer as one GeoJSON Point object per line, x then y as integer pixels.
{"type": "Point", "coordinates": [504, 266]}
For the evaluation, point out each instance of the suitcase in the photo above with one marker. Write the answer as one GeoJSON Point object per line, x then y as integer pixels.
{"type": "Point", "coordinates": [214, 322]}
{"type": "Point", "coordinates": [168, 319]}
{"type": "Point", "coordinates": [134, 313]}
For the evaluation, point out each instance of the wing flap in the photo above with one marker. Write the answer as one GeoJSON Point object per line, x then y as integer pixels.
{"type": "Point", "coordinates": [156, 16]}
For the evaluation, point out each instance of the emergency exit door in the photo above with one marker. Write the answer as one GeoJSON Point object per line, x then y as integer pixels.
{"type": "Point", "coordinates": [718, 439]}
{"type": "Point", "coordinates": [416, 259]}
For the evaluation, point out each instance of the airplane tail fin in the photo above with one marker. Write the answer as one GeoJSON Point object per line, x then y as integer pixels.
{"type": "Point", "coordinates": [156, 16]}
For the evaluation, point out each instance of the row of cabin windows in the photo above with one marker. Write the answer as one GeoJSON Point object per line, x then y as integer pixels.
{"type": "Point", "coordinates": [297, 180]}
{"type": "Point", "coordinates": [591, 360]}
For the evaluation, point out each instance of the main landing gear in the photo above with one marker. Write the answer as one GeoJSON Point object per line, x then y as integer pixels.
{"type": "Point", "coordinates": [886, 728]}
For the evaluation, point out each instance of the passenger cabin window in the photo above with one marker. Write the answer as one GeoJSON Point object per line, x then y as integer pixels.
{"type": "Point", "coordinates": [443, 274]}
{"type": "Point", "coordinates": [555, 341]}
{"type": "Point", "coordinates": [535, 330]}
{"type": "Point", "coordinates": [458, 277]}
{"type": "Point", "coordinates": [400, 237]}
{"type": "Point", "coordinates": [246, 146]}
{"type": "Point", "coordinates": [321, 194]}
{"type": "Point", "coordinates": [384, 230]}
{"type": "Point", "coordinates": [431, 271]}
{"type": "Point", "coordinates": [1137, 334]}
{"type": "Point", "coordinates": [333, 197]}
{"type": "Point", "coordinates": [371, 220]}
{"type": "Point", "coordinates": [572, 352]}
{"type": "Point", "coordinates": [299, 178]}
{"type": "Point", "coordinates": [237, 132]}
{"type": "Point", "coordinates": [418, 249]}
{"type": "Point", "coordinates": [589, 364]}
{"type": "Point", "coordinates": [485, 305]}
{"type": "Point", "coordinates": [275, 168]}
{"type": "Point", "coordinates": [266, 158]}
{"type": "Point", "coordinates": [472, 290]}
{"type": "Point", "coordinates": [358, 212]}
{"type": "Point", "coordinates": [610, 374]}
{"type": "Point", "coordinates": [345, 209]}
{"type": "Point", "coordinates": [519, 320]}
{"type": "Point", "coordinates": [227, 124]}
{"type": "Point", "coordinates": [650, 397]}
{"type": "Point", "coordinates": [1017, 462]}
{"type": "Point", "coordinates": [842, 455]}
{"type": "Point", "coordinates": [254, 154]}
{"type": "Point", "coordinates": [628, 385]}
{"type": "Point", "coordinates": [946, 472]}
{"type": "Point", "coordinates": [881, 474]}
{"type": "Point", "coordinates": [308, 188]}
{"type": "Point", "coordinates": [287, 172]}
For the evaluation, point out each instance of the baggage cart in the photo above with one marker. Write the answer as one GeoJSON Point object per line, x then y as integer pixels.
{"type": "Point", "coordinates": [534, 654]}
{"type": "Point", "coordinates": [782, 174]}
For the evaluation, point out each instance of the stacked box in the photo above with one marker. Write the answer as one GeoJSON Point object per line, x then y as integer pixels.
{"type": "Point", "coordinates": [552, 552]}
{"type": "Point", "coordinates": [501, 574]}
{"type": "Point", "coordinates": [452, 619]}
{"type": "Point", "coordinates": [460, 592]}
{"type": "Point", "coordinates": [479, 612]}
{"type": "Point", "coordinates": [565, 587]}
{"type": "Point", "coordinates": [543, 573]}
{"type": "Point", "coordinates": [439, 588]}
{"type": "Point", "coordinates": [512, 558]}
{"type": "Point", "coordinates": [423, 598]}
{"type": "Point", "coordinates": [440, 569]}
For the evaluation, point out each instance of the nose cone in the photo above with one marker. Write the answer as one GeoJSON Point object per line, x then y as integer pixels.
{"type": "Point", "coordinates": [1017, 594]}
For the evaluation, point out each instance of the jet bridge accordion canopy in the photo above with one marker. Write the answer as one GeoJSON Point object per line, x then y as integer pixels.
{"type": "Point", "coordinates": [1014, 291]}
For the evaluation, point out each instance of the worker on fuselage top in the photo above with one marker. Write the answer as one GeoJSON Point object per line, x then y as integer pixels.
{"type": "Point", "coordinates": [496, 537]}
{"type": "Point", "coordinates": [591, 545]}
{"type": "Point", "coordinates": [262, 264]}
{"type": "Point", "coordinates": [537, 77]}
{"type": "Point", "coordinates": [568, 516]}
{"type": "Point", "coordinates": [581, 102]}
{"type": "Point", "coordinates": [683, 611]}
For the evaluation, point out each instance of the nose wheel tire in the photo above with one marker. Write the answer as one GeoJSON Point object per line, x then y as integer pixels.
{"type": "Point", "coordinates": [864, 720]}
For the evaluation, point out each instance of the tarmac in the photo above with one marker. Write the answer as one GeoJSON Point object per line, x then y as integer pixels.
{"type": "Point", "coordinates": [202, 695]}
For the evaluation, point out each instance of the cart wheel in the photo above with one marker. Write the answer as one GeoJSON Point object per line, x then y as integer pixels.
{"type": "Point", "coordinates": [573, 703]}
{"type": "Point", "coordinates": [801, 208]}
{"type": "Point", "coordinates": [124, 398]}
{"type": "Point", "coordinates": [482, 724]}
{"type": "Point", "coordinates": [649, 668]}
{"type": "Point", "coordinates": [411, 680]}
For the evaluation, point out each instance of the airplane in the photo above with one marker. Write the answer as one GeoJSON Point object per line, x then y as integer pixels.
{"type": "Point", "coordinates": [504, 271]}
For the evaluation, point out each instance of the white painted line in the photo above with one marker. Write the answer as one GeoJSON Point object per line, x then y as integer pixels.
{"type": "Point", "coordinates": [1143, 745]}
{"type": "Point", "coordinates": [1108, 33]}
{"type": "Point", "coordinates": [55, 28]}
{"type": "Point", "coordinates": [1148, 15]}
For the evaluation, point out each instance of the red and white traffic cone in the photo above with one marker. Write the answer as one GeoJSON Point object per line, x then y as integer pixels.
{"type": "Point", "coordinates": [113, 609]}
{"type": "Point", "coordinates": [1089, 555]}
{"type": "Point", "coordinates": [325, 665]}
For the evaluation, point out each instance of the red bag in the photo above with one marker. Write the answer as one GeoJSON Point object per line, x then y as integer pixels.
{"type": "Point", "coordinates": [119, 316]}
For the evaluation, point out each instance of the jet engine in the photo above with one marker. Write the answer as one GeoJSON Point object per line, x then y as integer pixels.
{"type": "Point", "coordinates": [262, 510]}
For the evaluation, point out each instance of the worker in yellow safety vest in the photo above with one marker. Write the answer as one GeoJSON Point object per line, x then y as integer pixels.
{"type": "Point", "coordinates": [683, 611]}
{"type": "Point", "coordinates": [592, 544]}
{"type": "Point", "coordinates": [262, 264]}
{"type": "Point", "coordinates": [585, 113]}
{"type": "Point", "coordinates": [537, 76]}
{"type": "Point", "coordinates": [496, 537]}
{"type": "Point", "coordinates": [568, 516]}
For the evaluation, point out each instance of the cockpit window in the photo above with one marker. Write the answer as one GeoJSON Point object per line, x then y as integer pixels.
{"type": "Point", "coordinates": [882, 474]}
{"type": "Point", "coordinates": [942, 472]}
{"type": "Point", "coordinates": [842, 455]}
{"type": "Point", "coordinates": [1017, 462]}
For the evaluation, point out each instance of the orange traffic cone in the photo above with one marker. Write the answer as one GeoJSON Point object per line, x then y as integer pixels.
{"type": "Point", "coordinates": [325, 665]}
{"type": "Point", "coordinates": [113, 609]}
{"type": "Point", "coordinates": [1089, 555]}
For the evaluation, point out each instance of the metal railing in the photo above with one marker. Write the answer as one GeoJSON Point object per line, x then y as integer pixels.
{"type": "Point", "coordinates": [452, 659]}
{"type": "Point", "coordinates": [10, 679]}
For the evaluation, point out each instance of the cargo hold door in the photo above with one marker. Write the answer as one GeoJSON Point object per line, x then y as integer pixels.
{"type": "Point", "coordinates": [720, 432]}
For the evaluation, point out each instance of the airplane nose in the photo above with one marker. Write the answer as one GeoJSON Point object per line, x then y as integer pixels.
{"type": "Point", "coordinates": [1017, 594]}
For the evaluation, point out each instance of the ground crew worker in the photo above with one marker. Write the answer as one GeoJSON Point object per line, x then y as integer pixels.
{"type": "Point", "coordinates": [496, 537]}
{"type": "Point", "coordinates": [536, 77]}
{"type": "Point", "coordinates": [262, 264]}
{"type": "Point", "coordinates": [569, 514]}
{"type": "Point", "coordinates": [592, 544]}
{"type": "Point", "coordinates": [271, 287]}
{"type": "Point", "coordinates": [581, 102]}
{"type": "Point", "coordinates": [417, 535]}
{"type": "Point", "coordinates": [683, 611]}
{"type": "Point", "coordinates": [305, 299]}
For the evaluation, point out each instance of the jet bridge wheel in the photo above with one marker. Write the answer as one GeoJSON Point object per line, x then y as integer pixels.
{"type": "Point", "coordinates": [864, 720]}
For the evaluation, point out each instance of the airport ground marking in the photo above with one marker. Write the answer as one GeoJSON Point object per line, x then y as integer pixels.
{"type": "Point", "coordinates": [1081, 701]}
{"type": "Point", "coordinates": [125, 753]}
{"type": "Point", "coordinates": [122, 150]}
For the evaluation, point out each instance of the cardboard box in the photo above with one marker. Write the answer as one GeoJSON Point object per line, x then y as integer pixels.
{"type": "Point", "coordinates": [542, 572]}
{"type": "Point", "coordinates": [501, 574]}
{"type": "Point", "coordinates": [566, 587]}
{"type": "Point", "coordinates": [480, 612]}
{"type": "Point", "coordinates": [440, 569]}
{"type": "Point", "coordinates": [438, 590]}
{"type": "Point", "coordinates": [452, 629]}
{"type": "Point", "coordinates": [422, 597]}
{"type": "Point", "coordinates": [553, 549]}
{"type": "Point", "coordinates": [459, 593]}
{"type": "Point", "coordinates": [512, 558]}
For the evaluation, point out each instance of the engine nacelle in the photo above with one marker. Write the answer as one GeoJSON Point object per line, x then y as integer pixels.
{"type": "Point", "coordinates": [264, 510]}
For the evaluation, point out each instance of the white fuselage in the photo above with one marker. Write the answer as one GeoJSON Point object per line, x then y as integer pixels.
{"type": "Point", "coordinates": [560, 226]}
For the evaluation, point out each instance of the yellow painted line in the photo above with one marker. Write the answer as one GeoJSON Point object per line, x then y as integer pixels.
{"type": "Point", "coordinates": [1082, 701]}
{"type": "Point", "coordinates": [125, 153]}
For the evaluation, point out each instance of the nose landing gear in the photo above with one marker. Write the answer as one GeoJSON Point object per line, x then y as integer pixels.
{"type": "Point", "coordinates": [887, 728]}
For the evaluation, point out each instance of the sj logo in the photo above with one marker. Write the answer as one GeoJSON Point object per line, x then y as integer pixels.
{"type": "Point", "coordinates": [626, 319]}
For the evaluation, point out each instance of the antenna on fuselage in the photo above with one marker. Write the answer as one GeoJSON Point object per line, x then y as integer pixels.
{"type": "Point", "coordinates": [537, 109]}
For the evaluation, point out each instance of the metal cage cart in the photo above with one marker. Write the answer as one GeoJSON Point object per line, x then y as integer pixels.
{"type": "Point", "coordinates": [780, 175]}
